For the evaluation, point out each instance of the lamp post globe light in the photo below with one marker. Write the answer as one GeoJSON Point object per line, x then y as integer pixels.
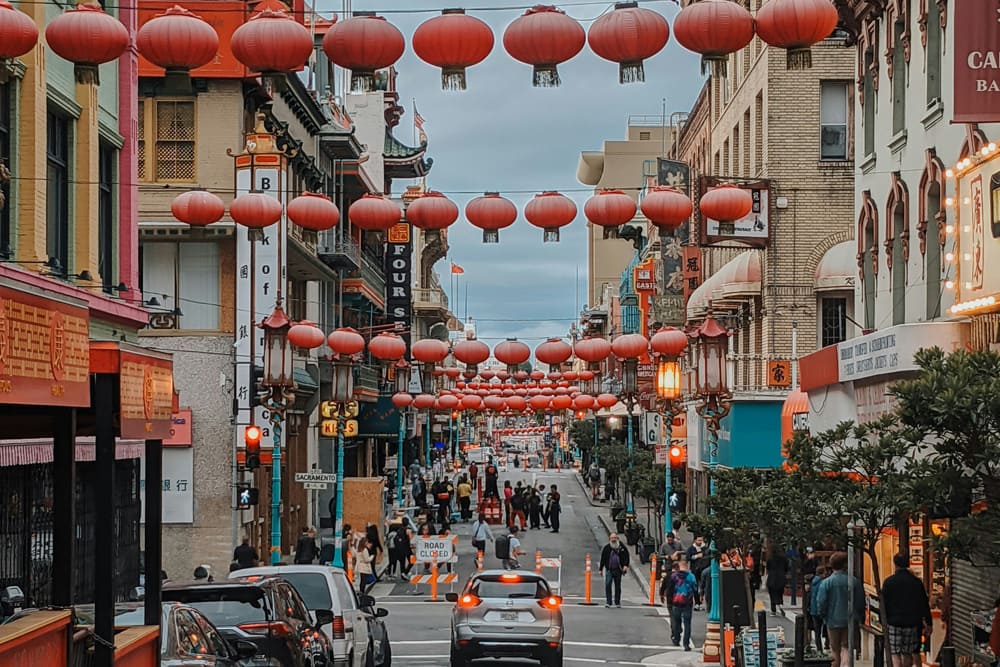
{"type": "Point", "coordinates": [712, 341]}
{"type": "Point", "coordinates": [668, 344]}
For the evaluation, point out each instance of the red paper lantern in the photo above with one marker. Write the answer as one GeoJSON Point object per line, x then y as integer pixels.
{"type": "Point", "coordinates": [346, 341]}
{"type": "Point", "coordinates": [609, 208]}
{"type": "Point", "coordinates": [629, 346]}
{"type": "Point", "coordinates": [387, 346]}
{"type": "Point", "coordinates": [726, 203]}
{"type": "Point", "coordinates": [583, 402]}
{"type": "Point", "coordinates": [592, 350]}
{"type": "Point", "coordinates": [423, 402]}
{"type": "Point", "coordinates": [669, 342]}
{"type": "Point", "coordinates": [374, 213]}
{"type": "Point", "coordinates": [539, 403]}
{"type": "Point", "coordinates": [491, 213]}
{"type": "Point", "coordinates": [550, 211]}
{"type": "Point", "coordinates": [429, 350]}
{"type": "Point", "coordinates": [487, 375]}
{"type": "Point", "coordinates": [313, 211]}
{"type": "Point", "coordinates": [452, 372]}
{"type": "Point", "coordinates": [432, 211]}
{"type": "Point", "coordinates": [517, 403]}
{"type": "Point", "coordinates": [306, 334]}
{"type": "Point", "coordinates": [272, 42]}
{"type": "Point", "coordinates": [627, 36]}
{"type": "Point", "coordinates": [714, 28]}
{"type": "Point", "coordinates": [471, 352]}
{"type": "Point", "coordinates": [511, 352]}
{"type": "Point", "coordinates": [402, 400]}
{"type": "Point", "coordinates": [471, 402]}
{"type": "Point", "coordinates": [606, 400]}
{"type": "Point", "coordinates": [586, 375]}
{"type": "Point", "coordinates": [796, 25]}
{"type": "Point", "coordinates": [544, 37]}
{"type": "Point", "coordinates": [87, 37]}
{"type": "Point", "coordinates": [562, 403]}
{"type": "Point", "coordinates": [18, 33]}
{"type": "Point", "coordinates": [198, 208]}
{"type": "Point", "coordinates": [537, 376]}
{"type": "Point", "coordinates": [448, 402]}
{"type": "Point", "coordinates": [666, 207]}
{"type": "Point", "coordinates": [363, 44]}
{"type": "Point", "coordinates": [452, 41]}
{"type": "Point", "coordinates": [553, 352]}
{"type": "Point", "coordinates": [494, 403]}
{"type": "Point", "coordinates": [177, 40]}
{"type": "Point", "coordinates": [255, 210]}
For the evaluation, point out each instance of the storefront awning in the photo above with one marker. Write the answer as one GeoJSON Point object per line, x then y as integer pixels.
{"type": "Point", "coordinates": [32, 451]}
{"type": "Point", "coordinates": [837, 268]}
{"type": "Point", "coordinates": [738, 279]}
{"type": "Point", "coordinates": [794, 415]}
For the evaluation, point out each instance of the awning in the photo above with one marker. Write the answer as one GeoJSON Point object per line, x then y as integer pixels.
{"type": "Point", "coordinates": [837, 269]}
{"type": "Point", "coordinates": [738, 279]}
{"type": "Point", "coordinates": [31, 451]}
{"type": "Point", "coordinates": [794, 417]}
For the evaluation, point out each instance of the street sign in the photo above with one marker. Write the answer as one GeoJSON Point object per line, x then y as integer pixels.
{"type": "Point", "coordinates": [314, 486]}
{"type": "Point", "coordinates": [427, 546]}
{"type": "Point", "coordinates": [325, 477]}
{"type": "Point", "coordinates": [654, 429]}
{"type": "Point", "coordinates": [328, 428]}
{"type": "Point", "coordinates": [330, 409]}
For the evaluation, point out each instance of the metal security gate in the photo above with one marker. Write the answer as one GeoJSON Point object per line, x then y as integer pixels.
{"type": "Point", "coordinates": [973, 589]}
{"type": "Point", "coordinates": [26, 529]}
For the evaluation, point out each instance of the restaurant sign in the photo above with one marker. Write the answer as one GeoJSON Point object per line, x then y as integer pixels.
{"type": "Point", "coordinates": [977, 61]}
{"type": "Point", "coordinates": [147, 391]}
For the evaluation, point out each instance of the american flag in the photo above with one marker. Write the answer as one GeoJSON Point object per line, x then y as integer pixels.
{"type": "Point", "coordinates": [418, 123]}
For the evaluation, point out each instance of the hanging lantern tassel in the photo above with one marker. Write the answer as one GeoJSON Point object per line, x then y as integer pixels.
{"type": "Point", "coordinates": [362, 81]}
{"type": "Point", "coordinates": [715, 64]}
{"type": "Point", "coordinates": [545, 76]}
{"type": "Point", "coordinates": [85, 73]}
{"type": "Point", "coordinates": [453, 78]}
{"type": "Point", "coordinates": [491, 236]}
{"type": "Point", "coordinates": [550, 235]}
{"type": "Point", "coordinates": [631, 72]}
{"type": "Point", "coordinates": [799, 58]}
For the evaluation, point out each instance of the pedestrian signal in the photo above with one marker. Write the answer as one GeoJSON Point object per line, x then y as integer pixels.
{"type": "Point", "coordinates": [246, 496]}
{"type": "Point", "coordinates": [251, 438]}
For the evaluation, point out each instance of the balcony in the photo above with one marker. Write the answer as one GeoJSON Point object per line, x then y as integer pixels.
{"type": "Point", "coordinates": [430, 302]}
{"type": "Point", "coordinates": [339, 254]}
{"type": "Point", "coordinates": [368, 280]}
{"type": "Point", "coordinates": [760, 374]}
{"type": "Point", "coordinates": [367, 381]}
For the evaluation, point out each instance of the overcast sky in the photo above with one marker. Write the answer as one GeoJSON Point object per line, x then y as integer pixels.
{"type": "Point", "coordinates": [503, 134]}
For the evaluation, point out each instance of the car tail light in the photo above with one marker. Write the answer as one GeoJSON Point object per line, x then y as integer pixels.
{"type": "Point", "coordinates": [468, 601]}
{"type": "Point", "coordinates": [550, 602]}
{"type": "Point", "coordinates": [276, 628]}
{"type": "Point", "coordinates": [508, 576]}
{"type": "Point", "coordinates": [338, 627]}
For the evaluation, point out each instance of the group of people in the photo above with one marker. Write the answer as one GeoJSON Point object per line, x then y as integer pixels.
{"type": "Point", "coordinates": [530, 507]}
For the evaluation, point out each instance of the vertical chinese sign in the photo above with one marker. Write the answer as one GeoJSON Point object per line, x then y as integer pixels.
{"type": "Point", "coordinates": [398, 278]}
{"type": "Point", "coordinates": [692, 270]}
{"type": "Point", "coordinates": [677, 175]}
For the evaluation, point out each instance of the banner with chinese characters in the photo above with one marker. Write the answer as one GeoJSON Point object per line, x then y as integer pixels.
{"type": "Point", "coordinates": [44, 349]}
{"type": "Point", "coordinates": [178, 485]}
{"type": "Point", "coordinates": [677, 175]}
{"type": "Point", "coordinates": [260, 273]}
{"type": "Point", "coordinates": [692, 270]}
{"type": "Point", "coordinates": [146, 387]}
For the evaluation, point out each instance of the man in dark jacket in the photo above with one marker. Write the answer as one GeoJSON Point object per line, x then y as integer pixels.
{"type": "Point", "coordinates": [305, 549]}
{"type": "Point", "coordinates": [491, 490]}
{"type": "Point", "coordinates": [907, 613]}
{"type": "Point", "coordinates": [614, 563]}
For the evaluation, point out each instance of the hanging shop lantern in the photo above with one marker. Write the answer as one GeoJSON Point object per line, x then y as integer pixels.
{"type": "Point", "coordinates": [198, 208]}
{"type": "Point", "coordinates": [715, 29]}
{"type": "Point", "coordinates": [592, 350]}
{"type": "Point", "coordinates": [511, 352]}
{"type": "Point", "coordinates": [668, 342]}
{"type": "Point", "coordinates": [432, 211]}
{"type": "Point", "coordinates": [177, 40]}
{"type": "Point", "coordinates": [795, 25]}
{"type": "Point", "coordinates": [553, 352]}
{"type": "Point", "coordinates": [609, 208]}
{"type": "Point", "coordinates": [550, 211]}
{"type": "Point", "coordinates": [423, 402]}
{"type": "Point", "coordinates": [453, 42]}
{"type": "Point", "coordinates": [306, 334]}
{"type": "Point", "coordinates": [255, 210]}
{"type": "Point", "coordinates": [272, 42]}
{"type": "Point", "coordinates": [346, 341]}
{"type": "Point", "coordinates": [629, 346]}
{"type": "Point", "coordinates": [374, 213]}
{"type": "Point", "coordinates": [627, 36]}
{"type": "Point", "coordinates": [544, 37]}
{"type": "Point", "coordinates": [491, 213]}
{"type": "Point", "coordinates": [18, 33]}
{"type": "Point", "coordinates": [402, 400]}
{"type": "Point", "coordinates": [471, 353]}
{"type": "Point", "coordinates": [606, 400]}
{"type": "Point", "coordinates": [387, 346]}
{"type": "Point", "coordinates": [667, 208]}
{"type": "Point", "coordinates": [363, 44]}
{"type": "Point", "coordinates": [313, 211]}
{"type": "Point", "coordinates": [87, 37]}
{"type": "Point", "coordinates": [726, 203]}
{"type": "Point", "coordinates": [429, 350]}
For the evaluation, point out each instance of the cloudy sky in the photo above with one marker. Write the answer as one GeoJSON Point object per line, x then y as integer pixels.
{"type": "Point", "coordinates": [503, 134]}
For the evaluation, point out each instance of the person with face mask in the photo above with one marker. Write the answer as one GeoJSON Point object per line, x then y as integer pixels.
{"type": "Point", "coordinates": [614, 564]}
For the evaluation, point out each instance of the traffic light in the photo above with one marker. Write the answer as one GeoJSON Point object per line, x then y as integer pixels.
{"type": "Point", "coordinates": [581, 414]}
{"type": "Point", "coordinates": [246, 496]}
{"type": "Point", "coordinates": [454, 414]}
{"type": "Point", "coordinates": [677, 455]}
{"type": "Point", "coordinates": [251, 437]}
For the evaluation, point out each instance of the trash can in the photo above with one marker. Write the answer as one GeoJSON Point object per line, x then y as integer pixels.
{"type": "Point", "coordinates": [647, 547]}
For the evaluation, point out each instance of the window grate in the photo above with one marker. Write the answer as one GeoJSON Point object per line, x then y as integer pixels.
{"type": "Point", "coordinates": [175, 134]}
{"type": "Point", "coordinates": [833, 324]}
{"type": "Point", "coordinates": [140, 134]}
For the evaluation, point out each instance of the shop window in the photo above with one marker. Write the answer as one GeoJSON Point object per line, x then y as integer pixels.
{"type": "Point", "coordinates": [898, 264]}
{"type": "Point", "coordinates": [933, 65]}
{"type": "Point", "coordinates": [833, 120]}
{"type": "Point", "coordinates": [869, 277]}
{"type": "Point", "coordinates": [833, 320]}
{"type": "Point", "coordinates": [898, 79]}
{"type": "Point", "coordinates": [166, 140]}
{"type": "Point", "coordinates": [6, 166]}
{"type": "Point", "coordinates": [933, 254]}
{"type": "Point", "coordinates": [57, 191]}
{"type": "Point", "coordinates": [183, 277]}
{"type": "Point", "coordinates": [106, 218]}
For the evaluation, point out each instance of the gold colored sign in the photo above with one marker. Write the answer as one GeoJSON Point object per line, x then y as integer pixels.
{"type": "Point", "coordinates": [331, 410]}
{"type": "Point", "coordinates": [328, 428]}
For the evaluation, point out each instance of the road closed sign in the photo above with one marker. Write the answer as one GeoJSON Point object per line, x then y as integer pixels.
{"type": "Point", "coordinates": [441, 549]}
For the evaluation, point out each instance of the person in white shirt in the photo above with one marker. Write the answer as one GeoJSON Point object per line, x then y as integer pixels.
{"type": "Point", "coordinates": [480, 533]}
{"type": "Point", "coordinates": [511, 562]}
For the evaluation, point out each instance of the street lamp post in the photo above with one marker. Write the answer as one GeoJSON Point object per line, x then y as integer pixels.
{"type": "Point", "coordinates": [630, 386]}
{"type": "Point", "coordinates": [668, 343]}
{"type": "Point", "coordinates": [712, 389]}
{"type": "Point", "coordinates": [342, 394]}
{"type": "Point", "coordinates": [402, 380]}
{"type": "Point", "coordinates": [276, 384]}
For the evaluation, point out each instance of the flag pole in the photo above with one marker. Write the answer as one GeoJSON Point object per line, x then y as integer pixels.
{"type": "Point", "coordinates": [413, 103]}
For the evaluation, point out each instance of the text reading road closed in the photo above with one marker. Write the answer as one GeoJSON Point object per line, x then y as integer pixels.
{"type": "Point", "coordinates": [434, 548]}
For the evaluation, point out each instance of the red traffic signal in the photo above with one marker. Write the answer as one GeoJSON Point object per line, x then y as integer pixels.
{"type": "Point", "coordinates": [676, 454]}
{"type": "Point", "coordinates": [454, 414]}
{"type": "Point", "coordinates": [251, 436]}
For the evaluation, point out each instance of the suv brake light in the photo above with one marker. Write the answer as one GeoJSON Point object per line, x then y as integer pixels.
{"type": "Point", "coordinates": [550, 602]}
{"type": "Point", "coordinates": [468, 601]}
{"type": "Point", "coordinates": [507, 576]}
{"type": "Point", "coordinates": [339, 627]}
{"type": "Point", "coordinates": [276, 628]}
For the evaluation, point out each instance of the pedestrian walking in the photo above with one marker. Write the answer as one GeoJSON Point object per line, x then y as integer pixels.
{"type": "Point", "coordinates": [555, 508]}
{"type": "Point", "coordinates": [464, 493]}
{"type": "Point", "coordinates": [394, 540]}
{"type": "Point", "coordinates": [481, 533]}
{"type": "Point", "coordinates": [809, 568]}
{"type": "Point", "coordinates": [907, 613]}
{"type": "Point", "coordinates": [594, 476]}
{"type": "Point", "coordinates": [682, 592]}
{"type": "Point", "coordinates": [698, 557]}
{"type": "Point", "coordinates": [306, 549]}
{"type": "Point", "coordinates": [534, 508]}
{"type": "Point", "coordinates": [518, 504]}
{"type": "Point", "coordinates": [492, 476]}
{"type": "Point", "coordinates": [543, 492]}
{"type": "Point", "coordinates": [363, 566]}
{"type": "Point", "coordinates": [777, 578]}
{"type": "Point", "coordinates": [670, 548]}
{"type": "Point", "coordinates": [840, 601]}
{"type": "Point", "coordinates": [513, 551]}
{"type": "Point", "coordinates": [245, 555]}
{"type": "Point", "coordinates": [818, 627]}
{"type": "Point", "coordinates": [705, 588]}
{"type": "Point", "coordinates": [371, 532]}
{"type": "Point", "coordinates": [613, 564]}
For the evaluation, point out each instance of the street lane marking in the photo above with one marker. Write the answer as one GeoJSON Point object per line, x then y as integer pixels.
{"type": "Point", "coordinates": [635, 647]}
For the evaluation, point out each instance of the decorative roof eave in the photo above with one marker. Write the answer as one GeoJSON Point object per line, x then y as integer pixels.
{"type": "Point", "coordinates": [402, 161]}
{"type": "Point", "coordinates": [416, 168]}
{"type": "Point", "coordinates": [393, 148]}
{"type": "Point", "coordinates": [853, 12]}
{"type": "Point", "coordinates": [339, 143]}
{"type": "Point", "coordinates": [303, 104]}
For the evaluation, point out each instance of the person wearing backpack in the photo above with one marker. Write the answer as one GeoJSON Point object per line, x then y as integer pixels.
{"type": "Point", "coordinates": [682, 592]}
{"type": "Point", "coordinates": [512, 551]}
{"type": "Point", "coordinates": [614, 563]}
{"type": "Point", "coordinates": [594, 475]}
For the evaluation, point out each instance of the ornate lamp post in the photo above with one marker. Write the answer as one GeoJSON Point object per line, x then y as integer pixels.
{"type": "Point", "coordinates": [668, 343]}
{"type": "Point", "coordinates": [713, 392]}
{"type": "Point", "coordinates": [401, 399]}
{"type": "Point", "coordinates": [628, 348]}
{"type": "Point", "coordinates": [346, 344]}
{"type": "Point", "coordinates": [276, 390]}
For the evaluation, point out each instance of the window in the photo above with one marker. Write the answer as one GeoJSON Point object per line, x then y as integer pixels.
{"type": "Point", "coordinates": [933, 54]}
{"type": "Point", "coordinates": [898, 79]}
{"type": "Point", "coordinates": [57, 191]}
{"type": "Point", "coordinates": [184, 279]}
{"type": "Point", "coordinates": [758, 140]}
{"type": "Point", "coordinates": [833, 120]}
{"type": "Point", "coordinates": [868, 276]}
{"type": "Point", "coordinates": [6, 156]}
{"type": "Point", "coordinates": [833, 320]}
{"type": "Point", "coordinates": [736, 151]}
{"type": "Point", "coordinates": [107, 158]}
{"type": "Point", "coordinates": [725, 158]}
{"type": "Point", "coordinates": [746, 143]}
{"type": "Point", "coordinates": [899, 223]}
{"type": "Point", "coordinates": [933, 257]}
{"type": "Point", "coordinates": [643, 136]}
{"type": "Point", "coordinates": [869, 93]}
{"type": "Point", "coordinates": [168, 127]}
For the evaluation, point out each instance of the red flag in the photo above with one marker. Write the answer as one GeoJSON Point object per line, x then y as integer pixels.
{"type": "Point", "coordinates": [455, 268]}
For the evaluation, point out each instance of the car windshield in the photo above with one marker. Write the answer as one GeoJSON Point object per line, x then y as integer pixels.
{"type": "Point", "coordinates": [500, 588]}
{"type": "Point", "coordinates": [225, 607]}
{"type": "Point", "coordinates": [313, 588]}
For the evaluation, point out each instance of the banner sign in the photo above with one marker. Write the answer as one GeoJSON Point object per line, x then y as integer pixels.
{"type": "Point", "coordinates": [977, 61]}
{"type": "Point", "coordinates": [398, 278]}
{"type": "Point", "coordinates": [752, 229]}
{"type": "Point", "coordinates": [692, 270]}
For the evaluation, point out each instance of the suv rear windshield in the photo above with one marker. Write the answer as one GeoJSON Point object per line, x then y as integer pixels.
{"type": "Point", "coordinates": [313, 588]}
{"type": "Point", "coordinates": [500, 588]}
{"type": "Point", "coordinates": [225, 607]}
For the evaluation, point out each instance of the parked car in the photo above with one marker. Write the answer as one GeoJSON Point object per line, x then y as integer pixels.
{"type": "Point", "coordinates": [187, 637]}
{"type": "Point", "coordinates": [358, 633]}
{"type": "Point", "coordinates": [264, 610]}
{"type": "Point", "coordinates": [503, 614]}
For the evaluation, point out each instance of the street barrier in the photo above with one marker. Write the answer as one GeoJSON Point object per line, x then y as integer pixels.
{"type": "Point", "coordinates": [434, 577]}
{"type": "Point", "coordinates": [479, 561]}
{"type": "Point", "coordinates": [652, 582]}
{"type": "Point", "coordinates": [551, 563]}
{"type": "Point", "coordinates": [350, 565]}
{"type": "Point", "coordinates": [587, 583]}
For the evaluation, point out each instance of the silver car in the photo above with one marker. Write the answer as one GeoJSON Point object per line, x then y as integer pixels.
{"type": "Point", "coordinates": [503, 614]}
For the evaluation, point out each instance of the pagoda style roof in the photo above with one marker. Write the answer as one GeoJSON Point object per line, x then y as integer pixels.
{"type": "Point", "coordinates": [402, 161]}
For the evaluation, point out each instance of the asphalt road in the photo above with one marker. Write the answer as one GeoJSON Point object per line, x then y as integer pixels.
{"type": "Point", "coordinates": [636, 634]}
